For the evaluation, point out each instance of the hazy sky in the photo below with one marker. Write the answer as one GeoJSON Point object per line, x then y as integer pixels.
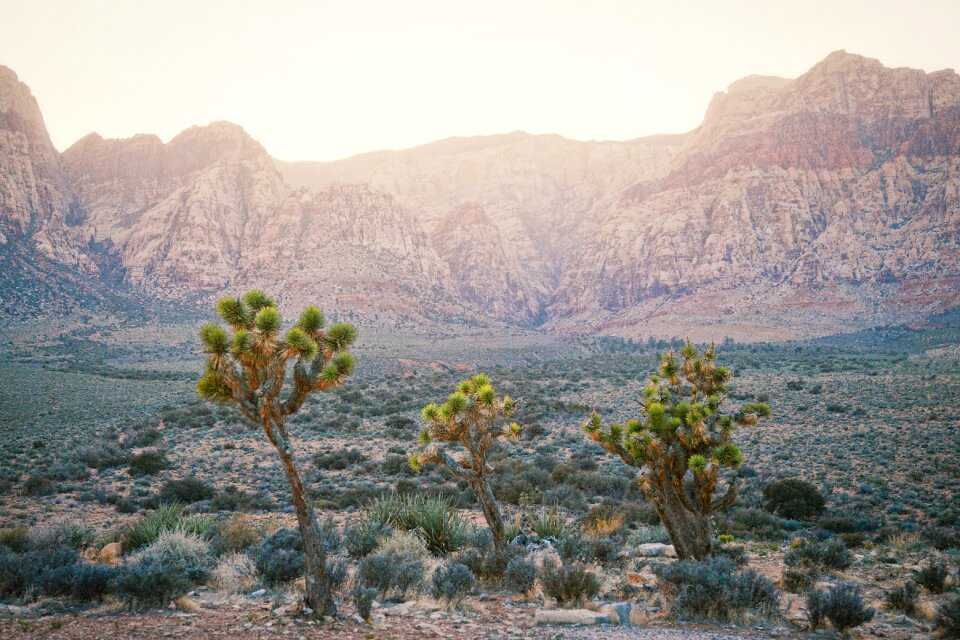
{"type": "Point", "coordinates": [323, 80]}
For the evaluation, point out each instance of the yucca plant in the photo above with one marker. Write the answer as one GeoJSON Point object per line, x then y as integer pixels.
{"type": "Point", "coordinates": [681, 442]}
{"type": "Point", "coordinates": [248, 368]}
{"type": "Point", "coordinates": [472, 418]}
{"type": "Point", "coordinates": [434, 517]}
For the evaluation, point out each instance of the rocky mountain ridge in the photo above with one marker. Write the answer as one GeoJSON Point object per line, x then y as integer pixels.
{"type": "Point", "coordinates": [798, 207]}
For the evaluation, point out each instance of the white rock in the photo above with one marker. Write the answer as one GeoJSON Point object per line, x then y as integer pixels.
{"type": "Point", "coordinates": [569, 616]}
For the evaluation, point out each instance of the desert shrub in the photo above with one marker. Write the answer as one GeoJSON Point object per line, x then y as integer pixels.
{"type": "Point", "coordinates": [20, 572]}
{"type": "Point", "coordinates": [520, 575]}
{"type": "Point", "coordinates": [38, 485]}
{"type": "Point", "coordinates": [550, 523]}
{"type": "Point", "coordinates": [337, 460]}
{"type": "Point", "coordinates": [104, 456]}
{"type": "Point", "coordinates": [942, 538]}
{"type": "Point", "coordinates": [948, 618]}
{"type": "Point", "coordinates": [166, 517]}
{"type": "Point", "coordinates": [147, 463]}
{"type": "Point", "coordinates": [903, 597]}
{"type": "Point", "coordinates": [403, 543]}
{"type": "Point", "coordinates": [391, 573]}
{"type": "Point", "coordinates": [83, 582]}
{"type": "Point", "coordinates": [714, 590]}
{"type": "Point", "coordinates": [571, 547]}
{"type": "Point", "coordinates": [181, 551]}
{"type": "Point", "coordinates": [232, 499]}
{"type": "Point", "coordinates": [602, 550]}
{"type": "Point", "coordinates": [798, 579]}
{"type": "Point", "coordinates": [452, 583]}
{"type": "Point", "coordinates": [648, 534]}
{"type": "Point", "coordinates": [842, 605]}
{"type": "Point", "coordinates": [793, 498]}
{"type": "Point", "coordinates": [150, 584]}
{"type": "Point", "coordinates": [396, 465]}
{"type": "Point", "coordinates": [330, 538]}
{"type": "Point", "coordinates": [279, 557]}
{"type": "Point", "coordinates": [831, 554]}
{"type": "Point", "coordinates": [363, 538]}
{"type": "Point", "coordinates": [933, 577]}
{"type": "Point", "coordinates": [568, 584]}
{"type": "Point", "coordinates": [237, 533]}
{"type": "Point", "coordinates": [486, 560]}
{"type": "Point", "coordinates": [234, 573]}
{"type": "Point", "coordinates": [363, 598]}
{"type": "Point", "coordinates": [752, 524]}
{"type": "Point", "coordinates": [440, 524]}
{"type": "Point", "coordinates": [62, 534]}
{"type": "Point", "coordinates": [15, 538]}
{"type": "Point", "coordinates": [186, 491]}
{"type": "Point", "coordinates": [735, 552]}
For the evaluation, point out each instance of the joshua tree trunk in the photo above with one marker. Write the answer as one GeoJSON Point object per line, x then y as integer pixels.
{"type": "Point", "coordinates": [689, 531]}
{"type": "Point", "coordinates": [481, 488]}
{"type": "Point", "coordinates": [319, 594]}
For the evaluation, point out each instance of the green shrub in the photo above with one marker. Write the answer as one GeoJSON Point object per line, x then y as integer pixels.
{"type": "Point", "coordinates": [568, 584]}
{"type": "Point", "coordinates": [150, 584]}
{"type": "Point", "coordinates": [337, 460]}
{"type": "Point", "coordinates": [82, 582]}
{"type": "Point", "coordinates": [186, 491]}
{"type": "Point", "coordinates": [15, 538]}
{"type": "Point", "coordinates": [279, 557]}
{"type": "Point", "coordinates": [436, 518]}
{"type": "Point", "coordinates": [520, 575]}
{"type": "Point", "coordinates": [793, 498]}
{"type": "Point", "coordinates": [184, 552]}
{"type": "Point", "coordinates": [19, 572]}
{"type": "Point", "coordinates": [363, 538]}
{"type": "Point", "coordinates": [714, 590]}
{"type": "Point", "coordinates": [62, 534]}
{"type": "Point", "coordinates": [832, 554]}
{"type": "Point", "coordinates": [842, 605]}
{"type": "Point", "coordinates": [948, 618]}
{"type": "Point", "coordinates": [391, 573]}
{"type": "Point", "coordinates": [752, 524]}
{"type": "Point", "coordinates": [798, 579]}
{"type": "Point", "coordinates": [38, 485]}
{"type": "Point", "coordinates": [166, 517]}
{"type": "Point", "coordinates": [933, 577]}
{"type": "Point", "coordinates": [104, 456]}
{"type": "Point", "coordinates": [550, 523]}
{"type": "Point", "coordinates": [363, 598]}
{"type": "Point", "coordinates": [904, 598]}
{"type": "Point", "coordinates": [452, 583]}
{"type": "Point", "coordinates": [148, 463]}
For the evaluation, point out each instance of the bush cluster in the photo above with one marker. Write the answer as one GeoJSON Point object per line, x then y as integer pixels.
{"type": "Point", "coordinates": [715, 590]}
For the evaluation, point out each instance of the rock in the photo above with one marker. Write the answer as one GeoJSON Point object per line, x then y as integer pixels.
{"type": "Point", "coordinates": [670, 552]}
{"type": "Point", "coordinates": [569, 616]}
{"type": "Point", "coordinates": [651, 549]}
{"type": "Point", "coordinates": [358, 619]}
{"type": "Point", "coordinates": [259, 593]}
{"type": "Point", "coordinates": [111, 553]}
{"type": "Point", "coordinates": [620, 613]}
{"type": "Point", "coordinates": [187, 605]}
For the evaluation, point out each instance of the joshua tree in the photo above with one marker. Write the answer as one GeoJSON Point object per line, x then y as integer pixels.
{"type": "Point", "coordinates": [249, 368]}
{"type": "Point", "coordinates": [472, 417]}
{"type": "Point", "coordinates": [681, 442]}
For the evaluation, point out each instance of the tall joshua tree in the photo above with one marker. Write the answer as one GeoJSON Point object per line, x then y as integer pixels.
{"type": "Point", "coordinates": [473, 417]}
{"type": "Point", "coordinates": [680, 443]}
{"type": "Point", "coordinates": [249, 369]}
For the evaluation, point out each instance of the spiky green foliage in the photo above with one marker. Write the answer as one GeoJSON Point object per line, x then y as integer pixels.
{"type": "Point", "coordinates": [471, 420]}
{"type": "Point", "coordinates": [249, 369]}
{"type": "Point", "coordinates": [682, 440]}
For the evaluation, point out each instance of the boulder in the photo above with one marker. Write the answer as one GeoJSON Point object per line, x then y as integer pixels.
{"type": "Point", "coordinates": [111, 553]}
{"type": "Point", "coordinates": [570, 616]}
{"type": "Point", "coordinates": [652, 549]}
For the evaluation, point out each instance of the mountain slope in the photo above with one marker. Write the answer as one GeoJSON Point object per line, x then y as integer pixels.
{"type": "Point", "coordinates": [836, 192]}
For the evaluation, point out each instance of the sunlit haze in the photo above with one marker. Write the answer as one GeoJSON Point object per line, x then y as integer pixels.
{"type": "Point", "coordinates": [324, 80]}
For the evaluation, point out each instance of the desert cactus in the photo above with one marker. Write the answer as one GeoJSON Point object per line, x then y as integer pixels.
{"type": "Point", "coordinates": [681, 442]}
{"type": "Point", "coordinates": [248, 368]}
{"type": "Point", "coordinates": [472, 417]}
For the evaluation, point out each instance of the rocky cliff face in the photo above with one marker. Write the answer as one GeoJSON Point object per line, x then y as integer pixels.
{"type": "Point", "coordinates": [801, 206]}
{"type": "Point", "coordinates": [541, 195]}
{"type": "Point", "coordinates": [37, 207]}
{"type": "Point", "coordinates": [841, 186]}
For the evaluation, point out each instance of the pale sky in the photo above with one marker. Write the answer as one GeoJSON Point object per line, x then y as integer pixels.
{"type": "Point", "coordinates": [324, 80]}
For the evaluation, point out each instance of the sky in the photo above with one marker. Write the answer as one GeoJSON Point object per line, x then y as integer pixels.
{"type": "Point", "coordinates": [319, 80]}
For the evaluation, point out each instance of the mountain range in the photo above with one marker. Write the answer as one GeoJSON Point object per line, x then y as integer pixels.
{"type": "Point", "coordinates": [821, 204]}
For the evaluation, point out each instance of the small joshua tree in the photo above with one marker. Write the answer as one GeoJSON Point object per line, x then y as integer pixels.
{"type": "Point", "coordinates": [472, 417]}
{"type": "Point", "coordinates": [249, 368]}
{"type": "Point", "coordinates": [681, 442]}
